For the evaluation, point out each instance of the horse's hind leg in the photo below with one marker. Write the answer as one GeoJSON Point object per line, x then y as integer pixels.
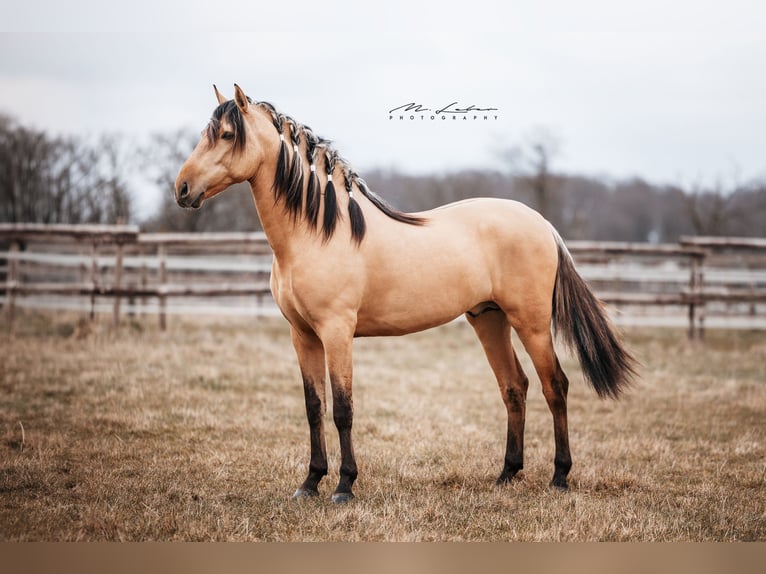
{"type": "Point", "coordinates": [494, 332]}
{"type": "Point", "coordinates": [538, 341]}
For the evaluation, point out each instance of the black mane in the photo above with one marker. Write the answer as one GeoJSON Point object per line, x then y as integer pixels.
{"type": "Point", "coordinates": [288, 183]}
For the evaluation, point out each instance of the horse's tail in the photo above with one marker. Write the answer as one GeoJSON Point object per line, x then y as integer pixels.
{"type": "Point", "coordinates": [579, 317]}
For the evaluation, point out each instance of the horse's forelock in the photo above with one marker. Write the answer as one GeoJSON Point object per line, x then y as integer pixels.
{"type": "Point", "coordinates": [229, 112]}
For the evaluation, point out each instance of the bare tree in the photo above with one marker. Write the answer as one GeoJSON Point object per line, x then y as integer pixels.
{"type": "Point", "coordinates": [711, 211]}
{"type": "Point", "coordinates": [749, 205]}
{"type": "Point", "coordinates": [111, 189]}
{"type": "Point", "coordinates": [62, 179]}
{"type": "Point", "coordinates": [24, 171]}
{"type": "Point", "coordinates": [530, 162]}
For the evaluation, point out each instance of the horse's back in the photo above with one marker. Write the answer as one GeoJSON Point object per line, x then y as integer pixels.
{"type": "Point", "coordinates": [484, 207]}
{"type": "Point", "coordinates": [503, 226]}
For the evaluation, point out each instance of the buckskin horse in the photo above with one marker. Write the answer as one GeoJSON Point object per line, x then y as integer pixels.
{"type": "Point", "coordinates": [347, 264]}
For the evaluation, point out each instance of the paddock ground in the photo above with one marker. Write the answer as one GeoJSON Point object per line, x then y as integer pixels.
{"type": "Point", "coordinates": [199, 433]}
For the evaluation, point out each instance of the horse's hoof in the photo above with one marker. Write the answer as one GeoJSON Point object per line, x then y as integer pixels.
{"type": "Point", "coordinates": [303, 493]}
{"type": "Point", "coordinates": [504, 479]}
{"type": "Point", "coordinates": [559, 484]}
{"type": "Point", "coordinates": [342, 497]}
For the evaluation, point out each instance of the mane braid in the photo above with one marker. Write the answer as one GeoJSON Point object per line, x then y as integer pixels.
{"type": "Point", "coordinates": [294, 193]}
{"type": "Point", "coordinates": [281, 177]}
{"type": "Point", "coordinates": [312, 190]}
{"type": "Point", "coordinates": [355, 215]}
{"type": "Point", "coordinates": [331, 213]}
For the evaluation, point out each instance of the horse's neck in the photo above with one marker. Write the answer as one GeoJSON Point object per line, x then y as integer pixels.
{"type": "Point", "coordinates": [283, 233]}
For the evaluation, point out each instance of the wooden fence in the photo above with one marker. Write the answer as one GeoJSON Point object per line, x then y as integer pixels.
{"type": "Point", "coordinates": [119, 263]}
{"type": "Point", "coordinates": [113, 243]}
{"type": "Point", "coordinates": [689, 258]}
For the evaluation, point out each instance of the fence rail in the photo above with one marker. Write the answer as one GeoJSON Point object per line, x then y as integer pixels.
{"type": "Point", "coordinates": [119, 262]}
{"type": "Point", "coordinates": [62, 232]}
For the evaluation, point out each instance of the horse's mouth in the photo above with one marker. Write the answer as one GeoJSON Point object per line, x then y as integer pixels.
{"type": "Point", "coordinates": [194, 204]}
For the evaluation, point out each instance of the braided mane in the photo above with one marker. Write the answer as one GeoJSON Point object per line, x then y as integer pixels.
{"type": "Point", "coordinates": [290, 174]}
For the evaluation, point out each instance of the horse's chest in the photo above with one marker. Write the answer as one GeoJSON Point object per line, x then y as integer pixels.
{"type": "Point", "coordinates": [281, 289]}
{"type": "Point", "coordinates": [289, 294]}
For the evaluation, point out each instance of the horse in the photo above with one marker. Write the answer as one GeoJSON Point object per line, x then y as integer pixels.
{"type": "Point", "coordinates": [347, 264]}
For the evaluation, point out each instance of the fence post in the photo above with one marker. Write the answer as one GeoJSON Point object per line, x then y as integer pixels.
{"type": "Point", "coordinates": [163, 279]}
{"type": "Point", "coordinates": [82, 268]}
{"type": "Point", "coordinates": [700, 292]}
{"type": "Point", "coordinates": [117, 286]}
{"type": "Point", "coordinates": [692, 296]}
{"type": "Point", "coordinates": [93, 279]}
{"type": "Point", "coordinates": [10, 285]}
{"type": "Point", "coordinates": [697, 297]}
{"type": "Point", "coordinates": [144, 279]}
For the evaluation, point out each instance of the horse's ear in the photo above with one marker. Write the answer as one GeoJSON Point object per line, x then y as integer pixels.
{"type": "Point", "coordinates": [219, 96]}
{"type": "Point", "coordinates": [240, 98]}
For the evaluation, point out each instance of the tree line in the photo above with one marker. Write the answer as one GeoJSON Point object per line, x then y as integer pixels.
{"type": "Point", "coordinates": [60, 179]}
{"type": "Point", "coordinates": [67, 179]}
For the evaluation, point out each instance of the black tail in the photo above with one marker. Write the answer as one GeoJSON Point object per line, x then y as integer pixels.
{"type": "Point", "coordinates": [581, 320]}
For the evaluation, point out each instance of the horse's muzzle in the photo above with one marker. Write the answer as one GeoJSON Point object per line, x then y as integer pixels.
{"type": "Point", "coordinates": [184, 198]}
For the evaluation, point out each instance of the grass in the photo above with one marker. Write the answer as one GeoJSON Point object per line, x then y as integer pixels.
{"type": "Point", "coordinates": [200, 434]}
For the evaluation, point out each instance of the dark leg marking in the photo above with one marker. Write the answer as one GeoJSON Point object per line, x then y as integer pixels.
{"type": "Point", "coordinates": [557, 401]}
{"type": "Point", "coordinates": [343, 415]}
{"type": "Point", "coordinates": [515, 400]}
{"type": "Point", "coordinates": [318, 463]}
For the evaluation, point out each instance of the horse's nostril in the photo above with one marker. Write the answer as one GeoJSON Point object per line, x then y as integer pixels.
{"type": "Point", "coordinates": [184, 191]}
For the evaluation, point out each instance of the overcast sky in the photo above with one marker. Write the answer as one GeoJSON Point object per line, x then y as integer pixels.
{"type": "Point", "coordinates": [672, 91]}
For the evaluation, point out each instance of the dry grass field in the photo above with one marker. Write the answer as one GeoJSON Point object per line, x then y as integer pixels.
{"type": "Point", "coordinates": [200, 434]}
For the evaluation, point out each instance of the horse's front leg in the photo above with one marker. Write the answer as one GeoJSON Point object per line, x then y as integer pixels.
{"type": "Point", "coordinates": [338, 341]}
{"type": "Point", "coordinates": [312, 363]}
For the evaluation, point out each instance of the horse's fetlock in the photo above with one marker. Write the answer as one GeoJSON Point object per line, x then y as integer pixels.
{"type": "Point", "coordinates": [563, 464]}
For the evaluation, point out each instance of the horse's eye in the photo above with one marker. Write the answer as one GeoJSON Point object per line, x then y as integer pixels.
{"type": "Point", "coordinates": [227, 136]}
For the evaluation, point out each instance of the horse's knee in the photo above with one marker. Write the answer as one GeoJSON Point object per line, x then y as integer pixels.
{"type": "Point", "coordinates": [314, 404]}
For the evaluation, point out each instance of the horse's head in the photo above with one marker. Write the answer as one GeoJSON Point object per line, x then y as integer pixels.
{"type": "Point", "coordinates": [232, 149]}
